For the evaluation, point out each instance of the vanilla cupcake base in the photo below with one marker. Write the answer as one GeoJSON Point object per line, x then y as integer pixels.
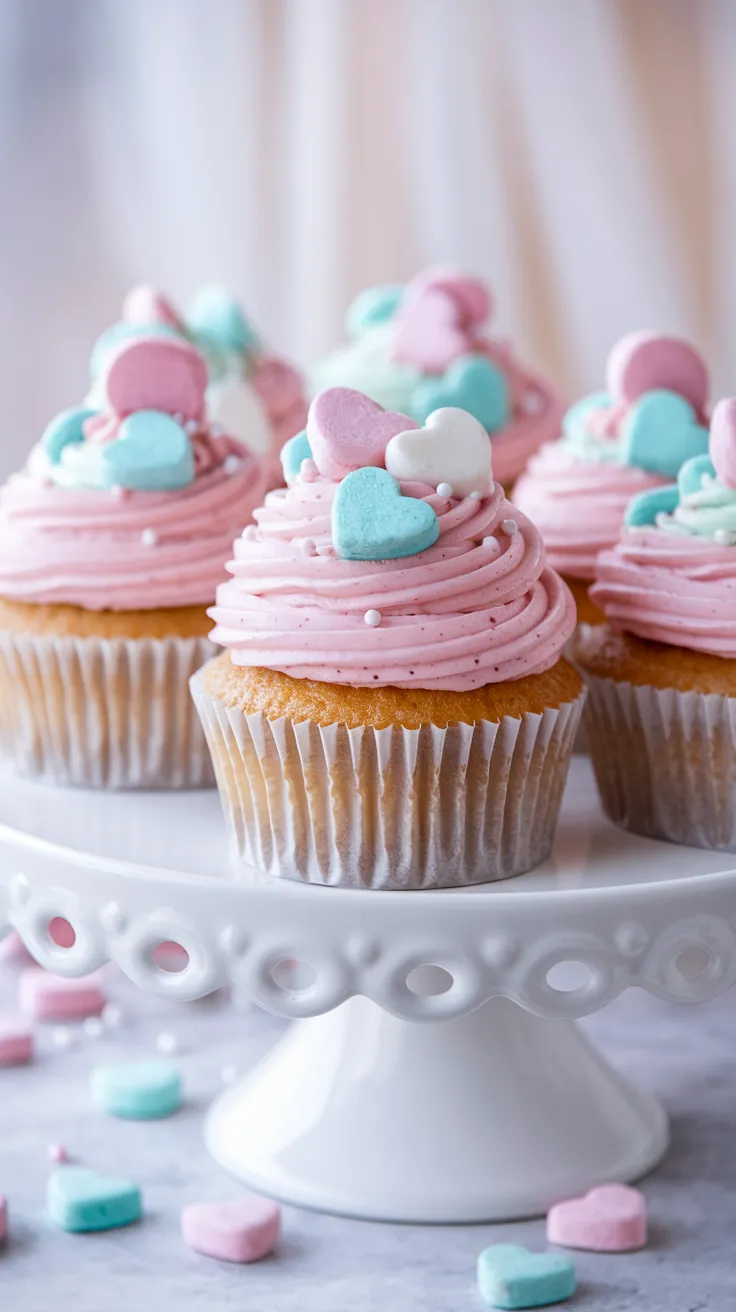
{"type": "Point", "coordinates": [387, 807]}
{"type": "Point", "coordinates": [103, 712]}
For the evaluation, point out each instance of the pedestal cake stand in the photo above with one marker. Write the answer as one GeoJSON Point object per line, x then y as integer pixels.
{"type": "Point", "coordinates": [435, 1073]}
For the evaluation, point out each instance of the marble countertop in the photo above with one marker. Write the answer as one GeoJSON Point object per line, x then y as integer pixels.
{"type": "Point", "coordinates": [325, 1264]}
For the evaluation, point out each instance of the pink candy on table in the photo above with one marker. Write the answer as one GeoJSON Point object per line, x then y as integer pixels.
{"type": "Point", "coordinates": [44, 996]}
{"type": "Point", "coordinates": [242, 1231]}
{"type": "Point", "coordinates": [16, 1042]}
{"type": "Point", "coordinates": [609, 1219]}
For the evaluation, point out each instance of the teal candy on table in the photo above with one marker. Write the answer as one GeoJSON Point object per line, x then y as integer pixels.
{"type": "Point", "coordinates": [141, 1090]}
{"type": "Point", "coordinates": [82, 1201]}
{"type": "Point", "coordinates": [511, 1277]}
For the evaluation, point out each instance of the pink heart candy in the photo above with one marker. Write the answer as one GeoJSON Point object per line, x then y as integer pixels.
{"type": "Point", "coordinates": [156, 373]}
{"type": "Point", "coordinates": [278, 384]}
{"type": "Point", "coordinates": [146, 305]}
{"type": "Point", "coordinates": [471, 296]}
{"type": "Point", "coordinates": [723, 441]}
{"type": "Point", "coordinates": [610, 1219]}
{"type": "Point", "coordinates": [44, 996]}
{"type": "Point", "coordinates": [347, 431]}
{"type": "Point", "coordinates": [242, 1231]}
{"type": "Point", "coordinates": [646, 362]}
{"type": "Point", "coordinates": [429, 333]}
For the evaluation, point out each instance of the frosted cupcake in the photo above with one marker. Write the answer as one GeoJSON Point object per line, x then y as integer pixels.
{"type": "Point", "coordinates": [392, 709]}
{"type": "Point", "coordinates": [662, 671]}
{"type": "Point", "coordinates": [424, 346]}
{"type": "Point", "coordinates": [615, 445]}
{"type": "Point", "coordinates": [256, 396]}
{"type": "Point", "coordinates": [112, 542]}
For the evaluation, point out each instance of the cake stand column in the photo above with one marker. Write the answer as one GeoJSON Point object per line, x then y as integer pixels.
{"type": "Point", "coordinates": [487, 1117]}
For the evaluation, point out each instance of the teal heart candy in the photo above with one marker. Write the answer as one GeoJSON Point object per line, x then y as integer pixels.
{"type": "Point", "coordinates": [138, 1090]}
{"type": "Point", "coordinates": [471, 383]}
{"type": "Point", "coordinates": [152, 453]}
{"type": "Point", "coordinates": [293, 453]}
{"type": "Point", "coordinates": [574, 422]}
{"type": "Point", "coordinates": [371, 520]}
{"type": "Point", "coordinates": [373, 306]}
{"type": "Point", "coordinates": [690, 477]}
{"type": "Point", "coordinates": [218, 324]}
{"type": "Point", "coordinates": [511, 1277]}
{"type": "Point", "coordinates": [63, 430]}
{"type": "Point", "coordinates": [79, 1200]}
{"type": "Point", "coordinates": [661, 432]}
{"type": "Point", "coordinates": [121, 332]}
{"type": "Point", "coordinates": [644, 508]}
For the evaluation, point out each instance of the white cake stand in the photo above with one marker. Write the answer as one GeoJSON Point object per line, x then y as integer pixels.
{"type": "Point", "coordinates": [493, 1110]}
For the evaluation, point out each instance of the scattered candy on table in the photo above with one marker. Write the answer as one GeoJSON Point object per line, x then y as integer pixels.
{"type": "Point", "coordinates": [80, 1201]}
{"type": "Point", "coordinates": [241, 1231]}
{"type": "Point", "coordinates": [16, 1042]}
{"type": "Point", "coordinates": [44, 996]}
{"type": "Point", "coordinates": [511, 1277]}
{"type": "Point", "coordinates": [139, 1090]}
{"type": "Point", "coordinates": [609, 1219]}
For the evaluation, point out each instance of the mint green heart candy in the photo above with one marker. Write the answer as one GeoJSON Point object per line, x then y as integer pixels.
{"type": "Point", "coordinates": [217, 323]}
{"type": "Point", "coordinates": [293, 453]}
{"type": "Point", "coordinates": [373, 306]}
{"type": "Point", "coordinates": [64, 430]}
{"type": "Point", "coordinates": [511, 1277]}
{"type": "Point", "coordinates": [138, 1090]}
{"type": "Point", "coordinates": [471, 383]}
{"type": "Point", "coordinates": [661, 432]}
{"type": "Point", "coordinates": [691, 475]}
{"type": "Point", "coordinates": [645, 506]}
{"type": "Point", "coordinates": [81, 1201]}
{"type": "Point", "coordinates": [152, 453]}
{"type": "Point", "coordinates": [371, 520]}
{"type": "Point", "coordinates": [574, 420]}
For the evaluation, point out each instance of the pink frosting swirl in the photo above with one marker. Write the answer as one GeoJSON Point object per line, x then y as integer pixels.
{"type": "Point", "coordinates": [479, 607]}
{"type": "Point", "coordinates": [578, 505]}
{"type": "Point", "coordinates": [671, 588]}
{"type": "Point", "coordinates": [135, 551]}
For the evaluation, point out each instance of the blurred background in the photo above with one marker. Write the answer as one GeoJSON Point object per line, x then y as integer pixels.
{"type": "Point", "coordinates": [580, 154]}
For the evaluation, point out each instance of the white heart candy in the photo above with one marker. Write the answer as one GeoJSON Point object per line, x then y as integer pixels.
{"type": "Point", "coordinates": [451, 448]}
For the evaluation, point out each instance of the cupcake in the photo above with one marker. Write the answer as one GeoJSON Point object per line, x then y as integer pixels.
{"type": "Point", "coordinates": [112, 541]}
{"type": "Point", "coordinates": [257, 397]}
{"type": "Point", "coordinates": [392, 710]}
{"type": "Point", "coordinates": [662, 671]}
{"type": "Point", "coordinates": [424, 347]}
{"type": "Point", "coordinates": [615, 444]}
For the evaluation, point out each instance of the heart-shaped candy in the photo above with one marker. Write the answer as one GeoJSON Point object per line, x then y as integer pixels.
{"type": "Point", "coordinates": [472, 383]}
{"type": "Point", "coordinates": [653, 362]}
{"type": "Point", "coordinates": [373, 306]}
{"type": "Point", "coordinates": [429, 334]}
{"type": "Point", "coordinates": [645, 506]}
{"type": "Point", "coordinates": [723, 441]}
{"type": "Point", "coordinates": [692, 473]}
{"type": "Point", "coordinates": [575, 420]}
{"type": "Point", "coordinates": [470, 295]}
{"type": "Point", "coordinates": [371, 520]}
{"type": "Point", "coordinates": [609, 1219]}
{"type": "Point", "coordinates": [44, 996]}
{"type": "Point", "coordinates": [144, 305]}
{"type": "Point", "coordinates": [80, 1201]}
{"type": "Point", "coordinates": [138, 1090]}
{"type": "Point", "coordinates": [64, 429]}
{"type": "Point", "coordinates": [511, 1277]}
{"type": "Point", "coordinates": [451, 448]}
{"type": "Point", "coordinates": [347, 431]}
{"type": "Point", "coordinates": [661, 432]}
{"type": "Point", "coordinates": [109, 341]}
{"type": "Point", "coordinates": [243, 1231]}
{"type": "Point", "coordinates": [152, 453]}
{"type": "Point", "coordinates": [216, 320]}
{"type": "Point", "coordinates": [293, 453]}
{"type": "Point", "coordinates": [156, 373]}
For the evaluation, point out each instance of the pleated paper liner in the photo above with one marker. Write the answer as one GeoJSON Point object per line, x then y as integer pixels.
{"type": "Point", "coordinates": [103, 712]}
{"type": "Point", "coordinates": [389, 808]}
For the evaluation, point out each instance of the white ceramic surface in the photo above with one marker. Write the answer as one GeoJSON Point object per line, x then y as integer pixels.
{"type": "Point", "coordinates": [485, 1115]}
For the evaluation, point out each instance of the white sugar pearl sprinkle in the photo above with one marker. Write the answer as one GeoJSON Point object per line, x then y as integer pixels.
{"type": "Point", "coordinates": [63, 1037]}
{"type": "Point", "coordinates": [373, 618]}
{"type": "Point", "coordinates": [217, 430]}
{"type": "Point", "coordinates": [191, 427]}
{"type": "Point", "coordinates": [149, 537]}
{"type": "Point", "coordinates": [167, 1043]}
{"type": "Point", "coordinates": [92, 1027]}
{"type": "Point", "coordinates": [309, 547]}
{"type": "Point", "coordinates": [489, 542]}
{"type": "Point", "coordinates": [232, 464]}
{"type": "Point", "coordinates": [112, 1015]}
{"type": "Point", "coordinates": [475, 495]}
{"type": "Point", "coordinates": [444, 490]}
{"type": "Point", "coordinates": [509, 526]}
{"type": "Point", "coordinates": [724, 537]}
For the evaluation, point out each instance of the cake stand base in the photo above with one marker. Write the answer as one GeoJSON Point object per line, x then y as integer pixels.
{"type": "Point", "coordinates": [488, 1117]}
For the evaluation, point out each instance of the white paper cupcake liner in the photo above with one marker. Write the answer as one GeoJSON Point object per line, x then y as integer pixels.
{"type": "Point", "coordinates": [389, 808]}
{"type": "Point", "coordinates": [103, 712]}
{"type": "Point", "coordinates": [665, 761]}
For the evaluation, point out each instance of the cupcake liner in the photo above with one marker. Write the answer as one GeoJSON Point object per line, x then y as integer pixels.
{"type": "Point", "coordinates": [389, 808]}
{"type": "Point", "coordinates": [665, 761]}
{"type": "Point", "coordinates": [103, 712]}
